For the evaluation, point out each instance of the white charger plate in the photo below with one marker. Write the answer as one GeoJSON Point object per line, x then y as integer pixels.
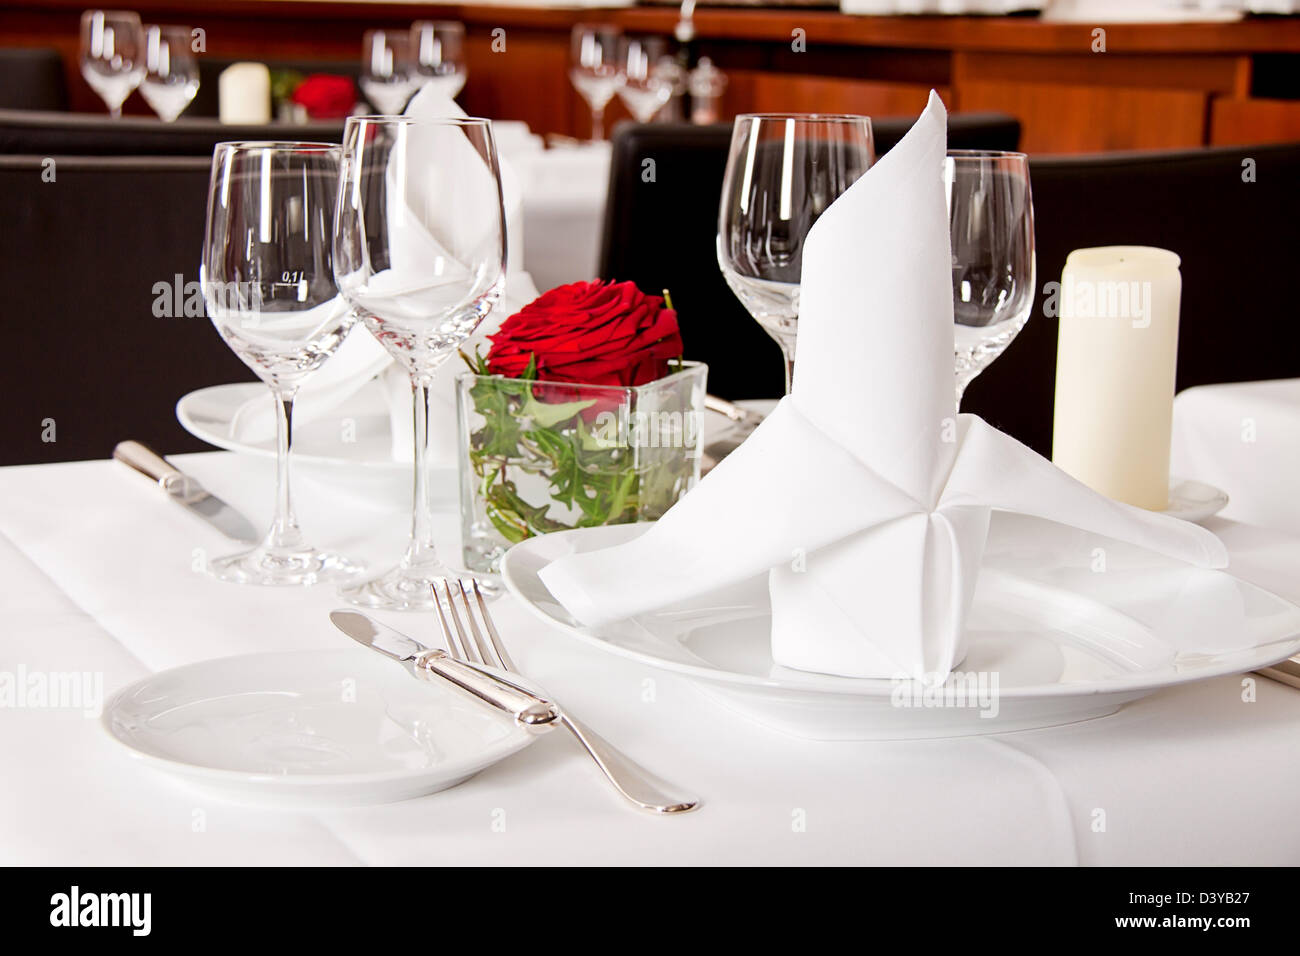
{"type": "Point", "coordinates": [1066, 642]}
{"type": "Point", "coordinates": [308, 729]}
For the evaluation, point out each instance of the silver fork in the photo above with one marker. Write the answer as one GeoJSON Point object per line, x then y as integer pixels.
{"type": "Point", "coordinates": [474, 645]}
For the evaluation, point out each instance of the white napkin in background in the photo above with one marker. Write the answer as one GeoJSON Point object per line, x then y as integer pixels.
{"type": "Point", "coordinates": [360, 358]}
{"type": "Point", "coordinates": [864, 495]}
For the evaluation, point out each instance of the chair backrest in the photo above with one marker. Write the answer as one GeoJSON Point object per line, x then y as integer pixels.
{"type": "Point", "coordinates": [30, 133]}
{"type": "Point", "coordinates": [661, 234]}
{"type": "Point", "coordinates": [88, 260]}
{"type": "Point", "coordinates": [1237, 240]}
{"type": "Point", "coordinates": [32, 79]}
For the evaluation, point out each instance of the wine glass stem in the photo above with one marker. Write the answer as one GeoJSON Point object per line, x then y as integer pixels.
{"type": "Point", "coordinates": [284, 533]}
{"type": "Point", "coordinates": [421, 550]}
{"type": "Point", "coordinates": [115, 112]}
{"type": "Point", "coordinates": [598, 123]}
{"type": "Point", "coordinates": [787, 353]}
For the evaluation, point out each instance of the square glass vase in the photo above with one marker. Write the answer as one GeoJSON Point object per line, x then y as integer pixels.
{"type": "Point", "coordinates": [539, 456]}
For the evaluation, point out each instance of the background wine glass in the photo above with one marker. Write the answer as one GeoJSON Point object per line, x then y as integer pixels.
{"type": "Point", "coordinates": [642, 85]}
{"type": "Point", "coordinates": [991, 221]}
{"type": "Point", "coordinates": [593, 69]}
{"type": "Point", "coordinates": [268, 283]}
{"type": "Point", "coordinates": [783, 171]}
{"type": "Point", "coordinates": [171, 72]}
{"type": "Point", "coordinates": [438, 55]}
{"type": "Point", "coordinates": [112, 55]}
{"type": "Point", "coordinates": [386, 75]}
{"type": "Point", "coordinates": [420, 254]}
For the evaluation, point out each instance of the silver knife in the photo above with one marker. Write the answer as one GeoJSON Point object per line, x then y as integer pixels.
{"type": "Point", "coordinates": [185, 491]}
{"type": "Point", "coordinates": [533, 713]}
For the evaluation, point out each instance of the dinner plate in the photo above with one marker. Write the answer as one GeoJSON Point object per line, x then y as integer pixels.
{"type": "Point", "coordinates": [1055, 635]}
{"type": "Point", "coordinates": [308, 729]}
{"type": "Point", "coordinates": [363, 464]}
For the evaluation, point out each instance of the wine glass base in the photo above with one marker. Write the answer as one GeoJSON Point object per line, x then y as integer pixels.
{"type": "Point", "coordinates": [272, 567]}
{"type": "Point", "coordinates": [412, 589]}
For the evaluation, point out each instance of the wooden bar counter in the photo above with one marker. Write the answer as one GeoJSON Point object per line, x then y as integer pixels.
{"type": "Point", "coordinates": [1152, 86]}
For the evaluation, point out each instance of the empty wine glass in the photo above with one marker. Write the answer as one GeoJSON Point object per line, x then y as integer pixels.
{"type": "Point", "coordinates": [171, 73]}
{"type": "Point", "coordinates": [783, 172]}
{"type": "Point", "coordinates": [438, 54]}
{"type": "Point", "coordinates": [642, 85]}
{"type": "Point", "coordinates": [593, 69]}
{"type": "Point", "coordinates": [420, 253]}
{"type": "Point", "coordinates": [268, 283]}
{"type": "Point", "coordinates": [112, 55]}
{"type": "Point", "coordinates": [386, 75]}
{"type": "Point", "coordinates": [991, 223]}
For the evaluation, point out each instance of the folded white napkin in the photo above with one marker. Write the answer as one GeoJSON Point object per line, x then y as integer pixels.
{"type": "Point", "coordinates": [864, 495]}
{"type": "Point", "coordinates": [439, 228]}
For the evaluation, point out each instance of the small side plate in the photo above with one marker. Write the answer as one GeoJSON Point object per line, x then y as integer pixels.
{"type": "Point", "coordinates": [308, 729]}
{"type": "Point", "coordinates": [1194, 500]}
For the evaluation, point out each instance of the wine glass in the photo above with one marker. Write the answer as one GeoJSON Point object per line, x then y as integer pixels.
{"type": "Point", "coordinates": [112, 55]}
{"type": "Point", "coordinates": [386, 75]}
{"type": "Point", "coordinates": [642, 85]}
{"type": "Point", "coordinates": [171, 73]}
{"type": "Point", "coordinates": [438, 54]}
{"type": "Point", "coordinates": [268, 283]}
{"type": "Point", "coordinates": [420, 253]}
{"type": "Point", "coordinates": [783, 171]}
{"type": "Point", "coordinates": [593, 69]}
{"type": "Point", "coordinates": [991, 223]}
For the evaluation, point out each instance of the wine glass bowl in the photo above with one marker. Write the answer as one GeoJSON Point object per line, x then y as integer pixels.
{"type": "Point", "coordinates": [387, 79]}
{"type": "Point", "coordinates": [420, 253]}
{"type": "Point", "coordinates": [171, 72]}
{"type": "Point", "coordinates": [783, 172]}
{"type": "Point", "coordinates": [268, 283]}
{"type": "Point", "coordinates": [593, 69]}
{"type": "Point", "coordinates": [112, 55]}
{"type": "Point", "coordinates": [438, 55]}
{"type": "Point", "coordinates": [642, 84]}
{"type": "Point", "coordinates": [991, 228]}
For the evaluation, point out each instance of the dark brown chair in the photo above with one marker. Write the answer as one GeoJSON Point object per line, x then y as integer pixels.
{"type": "Point", "coordinates": [87, 261]}
{"type": "Point", "coordinates": [33, 133]}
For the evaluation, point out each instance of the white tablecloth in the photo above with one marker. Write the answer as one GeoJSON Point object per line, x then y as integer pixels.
{"type": "Point", "coordinates": [97, 571]}
{"type": "Point", "coordinates": [564, 193]}
{"type": "Point", "coordinates": [1245, 439]}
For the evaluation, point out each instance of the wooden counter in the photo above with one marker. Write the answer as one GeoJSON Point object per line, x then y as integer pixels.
{"type": "Point", "coordinates": [1156, 85]}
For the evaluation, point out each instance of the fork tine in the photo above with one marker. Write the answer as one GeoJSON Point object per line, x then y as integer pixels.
{"type": "Point", "coordinates": [472, 653]}
{"type": "Point", "coordinates": [498, 647]}
{"type": "Point", "coordinates": [448, 638]}
{"type": "Point", "coordinates": [486, 650]}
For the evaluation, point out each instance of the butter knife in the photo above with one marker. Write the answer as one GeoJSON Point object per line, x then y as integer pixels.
{"type": "Point", "coordinates": [533, 713]}
{"type": "Point", "coordinates": [186, 491]}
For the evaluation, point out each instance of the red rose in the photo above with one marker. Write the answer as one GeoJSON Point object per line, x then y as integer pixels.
{"type": "Point", "coordinates": [325, 96]}
{"type": "Point", "coordinates": [592, 333]}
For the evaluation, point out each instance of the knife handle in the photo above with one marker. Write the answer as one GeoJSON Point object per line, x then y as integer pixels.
{"type": "Point", "coordinates": [144, 460]}
{"type": "Point", "coordinates": [533, 713]}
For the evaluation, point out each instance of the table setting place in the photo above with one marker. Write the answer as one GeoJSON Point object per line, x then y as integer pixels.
{"type": "Point", "coordinates": [634, 622]}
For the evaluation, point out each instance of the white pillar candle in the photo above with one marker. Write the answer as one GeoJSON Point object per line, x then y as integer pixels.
{"type": "Point", "coordinates": [244, 94]}
{"type": "Point", "coordinates": [1115, 365]}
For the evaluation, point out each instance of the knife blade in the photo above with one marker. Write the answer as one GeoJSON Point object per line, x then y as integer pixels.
{"type": "Point", "coordinates": [530, 711]}
{"type": "Point", "coordinates": [186, 491]}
